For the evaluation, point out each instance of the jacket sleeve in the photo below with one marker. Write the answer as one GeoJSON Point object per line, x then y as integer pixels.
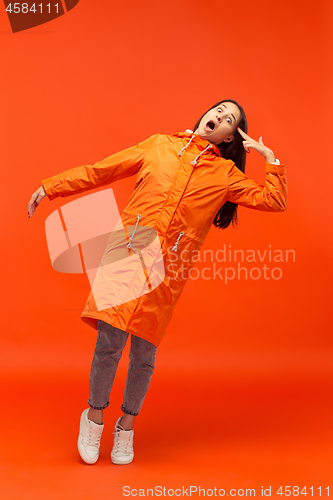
{"type": "Point", "coordinates": [272, 197]}
{"type": "Point", "coordinates": [117, 166]}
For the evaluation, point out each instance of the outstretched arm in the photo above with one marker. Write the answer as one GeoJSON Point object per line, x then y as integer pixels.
{"type": "Point", "coordinates": [248, 193]}
{"type": "Point", "coordinates": [123, 164]}
{"type": "Point", "coordinates": [117, 166]}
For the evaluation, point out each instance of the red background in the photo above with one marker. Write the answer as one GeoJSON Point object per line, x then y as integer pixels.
{"type": "Point", "coordinates": [242, 392]}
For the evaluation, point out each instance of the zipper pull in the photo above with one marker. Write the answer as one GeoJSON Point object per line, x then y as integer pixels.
{"type": "Point", "coordinates": [174, 249]}
{"type": "Point", "coordinates": [130, 240]}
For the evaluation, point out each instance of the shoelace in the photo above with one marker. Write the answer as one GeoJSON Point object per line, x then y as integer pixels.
{"type": "Point", "coordinates": [90, 439]}
{"type": "Point", "coordinates": [120, 441]}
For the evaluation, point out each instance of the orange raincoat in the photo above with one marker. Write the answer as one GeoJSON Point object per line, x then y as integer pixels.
{"type": "Point", "coordinates": [182, 183]}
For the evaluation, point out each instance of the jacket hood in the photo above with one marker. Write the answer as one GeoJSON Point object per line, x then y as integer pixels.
{"type": "Point", "coordinates": [197, 140]}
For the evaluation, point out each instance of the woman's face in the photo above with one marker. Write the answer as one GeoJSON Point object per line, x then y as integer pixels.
{"type": "Point", "coordinates": [219, 123]}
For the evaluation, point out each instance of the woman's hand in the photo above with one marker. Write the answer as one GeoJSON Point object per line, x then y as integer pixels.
{"type": "Point", "coordinates": [36, 199]}
{"type": "Point", "coordinates": [258, 146]}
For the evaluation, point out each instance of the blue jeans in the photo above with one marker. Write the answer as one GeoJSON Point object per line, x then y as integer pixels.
{"type": "Point", "coordinates": [109, 346]}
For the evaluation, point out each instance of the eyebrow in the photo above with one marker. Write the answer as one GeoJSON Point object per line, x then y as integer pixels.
{"type": "Point", "coordinates": [231, 113]}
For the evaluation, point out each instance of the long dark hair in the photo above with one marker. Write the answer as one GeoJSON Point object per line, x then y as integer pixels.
{"type": "Point", "coordinates": [234, 151]}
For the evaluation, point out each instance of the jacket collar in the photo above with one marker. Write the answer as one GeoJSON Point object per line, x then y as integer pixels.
{"type": "Point", "coordinates": [198, 141]}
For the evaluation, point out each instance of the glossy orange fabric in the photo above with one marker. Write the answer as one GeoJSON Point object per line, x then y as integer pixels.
{"type": "Point", "coordinates": [179, 201]}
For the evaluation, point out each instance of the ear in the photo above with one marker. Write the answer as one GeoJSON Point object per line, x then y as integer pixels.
{"type": "Point", "coordinates": [229, 139]}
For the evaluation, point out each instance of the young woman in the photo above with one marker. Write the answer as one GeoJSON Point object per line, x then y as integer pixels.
{"type": "Point", "coordinates": [186, 182]}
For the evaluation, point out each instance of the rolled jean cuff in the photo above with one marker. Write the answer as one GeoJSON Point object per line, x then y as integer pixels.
{"type": "Point", "coordinates": [98, 407]}
{"type": "Point", "coordinates": [134, 414]}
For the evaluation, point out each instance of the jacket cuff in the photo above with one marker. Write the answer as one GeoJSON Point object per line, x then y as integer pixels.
{"type": "Point", "coordinates": [49, 188]}
{"type": "Point", "coordinates": [278, 169]}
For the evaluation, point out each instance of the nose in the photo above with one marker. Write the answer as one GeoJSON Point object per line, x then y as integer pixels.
{"type": "Point", "coordinates": [218, 115]}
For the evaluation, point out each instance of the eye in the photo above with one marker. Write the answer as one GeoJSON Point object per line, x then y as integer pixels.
{"type": "Point", "coordinates": [219, 109]}
{"type": "Point", "coordinates": [230, 120]}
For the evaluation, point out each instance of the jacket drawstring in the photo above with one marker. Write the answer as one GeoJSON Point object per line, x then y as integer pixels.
{"type": "Point", "coordinates": [130, 240]}
{"type": "Point", "coordinates": [174, 249]}
{"type": "Point", "coordinates": [194, 162]}
{"type": "Point", "coordinates": [181, 151]}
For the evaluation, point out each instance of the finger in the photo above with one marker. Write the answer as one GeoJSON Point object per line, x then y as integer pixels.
{"type": "Point", "coordinates": [246, 147]}
{"type": "Point", "coordinates": [31, 199]}
{"type": "Point", "coordinates": [243, 134]}
{"type": "Point", "coordinates": [32, 206]}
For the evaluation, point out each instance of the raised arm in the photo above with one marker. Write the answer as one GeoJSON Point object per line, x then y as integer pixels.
{"type": "Point", "coordinates": [246, 192]}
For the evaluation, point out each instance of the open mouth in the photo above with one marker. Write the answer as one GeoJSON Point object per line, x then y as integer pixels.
{"type": "Point", "coordinates": [211, 125]}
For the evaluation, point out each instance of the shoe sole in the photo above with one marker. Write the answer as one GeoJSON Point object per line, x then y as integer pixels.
{"type": "Point", "coordinates": [91, 460]}
{"type": "Point", "coordinates": [119, 462]}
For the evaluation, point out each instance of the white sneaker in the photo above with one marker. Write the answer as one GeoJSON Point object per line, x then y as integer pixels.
{"type": "Point", "coordinates": [122, 451]}
{"type": "Point", "coordinates": [89, 438]}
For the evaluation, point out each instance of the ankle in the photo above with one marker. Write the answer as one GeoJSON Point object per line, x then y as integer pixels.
{"type": "Point", "coordinates": [95, 416]}
{"type": "Point", "coordinates": [127, 422]}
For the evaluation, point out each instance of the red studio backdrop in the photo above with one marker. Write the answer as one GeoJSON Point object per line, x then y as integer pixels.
{"type": "Point", "coordinates": [241, 397]}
